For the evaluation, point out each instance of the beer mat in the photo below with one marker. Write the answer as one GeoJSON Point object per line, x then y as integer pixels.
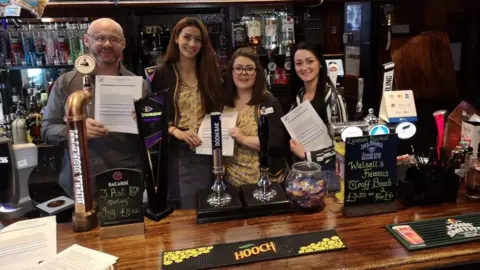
{"type": "Point", "coordinates": [418, 235]}
{"type": "Point", "coordinates": [252, 251]}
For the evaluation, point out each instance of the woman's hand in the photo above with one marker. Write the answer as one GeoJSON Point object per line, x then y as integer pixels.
{"type": "Point", "coordinates": [134, 115]}
{"type": "Point", "coordinates": [297, 149]}
{"type": "Point", "coordinates": [188, 136]}
{"type": "Point", "coordinates": [237, 135]}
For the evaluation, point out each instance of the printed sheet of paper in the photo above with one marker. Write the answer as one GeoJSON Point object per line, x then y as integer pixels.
{"type": "Point", "coordinates": [305, 126]}
{"type": "Point", "coordinates": [114, 96]}
{"type": "Point", "coordinates": [229, 121]}
{"type": "Point", "coordinates": [26, 243]}
{"type": "Point", "coordinates": [79, 258]}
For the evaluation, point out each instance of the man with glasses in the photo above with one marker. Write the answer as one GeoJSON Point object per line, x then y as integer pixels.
{"type": "Point", "coordinates": [105, 42]}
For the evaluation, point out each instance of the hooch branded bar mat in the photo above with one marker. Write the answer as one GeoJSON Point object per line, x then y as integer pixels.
{"type": "Point", "coordinates": [437, 232]}
{"type": "Point", "coordinates": [252, 251]}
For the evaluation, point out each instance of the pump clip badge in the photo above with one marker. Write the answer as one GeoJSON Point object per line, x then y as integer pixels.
{"type": "Point", "coordinates": [85, 64]}
{"type": "Point", "coordinates": [150, 73]}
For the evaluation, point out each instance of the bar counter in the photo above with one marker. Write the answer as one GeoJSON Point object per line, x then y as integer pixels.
{"type": "Point", "coordinates": [369, 245]}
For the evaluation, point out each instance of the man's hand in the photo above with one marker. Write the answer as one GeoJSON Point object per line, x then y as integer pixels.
{"type": "Point", "coordinates": [188, 136]}
{"type": "Point", "coordinates": [95, 129]}
{"type": "Point", "coordinates": [297, 149]}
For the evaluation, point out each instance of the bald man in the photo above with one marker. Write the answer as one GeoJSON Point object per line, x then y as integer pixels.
{"type": "Point", "coordinates": [106, 150]}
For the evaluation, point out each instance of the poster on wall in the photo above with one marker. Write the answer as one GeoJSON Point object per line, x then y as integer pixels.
{"type": "Point", "coordinates": [352, 61]}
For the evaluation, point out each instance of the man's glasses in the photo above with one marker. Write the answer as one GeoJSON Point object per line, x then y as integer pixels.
{"type": "Point", "coordinates": [238, 70]}
{"type": "Point", "coordinates": [115, 41]}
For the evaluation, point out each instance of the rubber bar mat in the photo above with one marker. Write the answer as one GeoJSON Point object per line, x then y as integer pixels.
{"type": "Point", "coordinates": [252, 251]}
{"type": "Point", "coordinates": [437, 232]}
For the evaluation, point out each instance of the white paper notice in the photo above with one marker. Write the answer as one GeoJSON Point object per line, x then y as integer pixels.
{"type": "Point", "coordinates": [352, 61]}
{"type": "Point", "coordinates": [114, 96]}
{"type": "Point", "coordinates": [229, 121]}
{"type": "Point", "coordinates": [305, 126]}
{"type": "Point", "coordinates": [78, 258]}
{"type": "Point", "coordinates": [26, 243]}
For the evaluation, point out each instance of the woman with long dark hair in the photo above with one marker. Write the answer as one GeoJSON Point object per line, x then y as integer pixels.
{"type": "Point", "coordinates": [245, 93]}
{"type": "Point", "coordinates": [192, 78]}
{"type": "Point", "coordinates": [310, 82]}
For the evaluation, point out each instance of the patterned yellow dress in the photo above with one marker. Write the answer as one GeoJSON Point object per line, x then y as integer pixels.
{"type": "Point", "coordinates": [244, 166]}
{"type": "Point", "coordinates": [189, 107]}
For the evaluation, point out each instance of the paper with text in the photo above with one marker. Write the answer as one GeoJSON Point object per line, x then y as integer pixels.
{"type": "Point", "coordinates": [79, 258]}
{"type": "Point", "coordinates": [26, 243]}
{"type": "Point", "coordinates": [305, 126]}
{"type": "Point", "coordinates": [114, 97]}
{"type": "Point", "coordinates": [229, 121]}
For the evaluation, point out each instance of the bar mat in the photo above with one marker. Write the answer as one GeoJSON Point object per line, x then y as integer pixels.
{"type": "Point", "coordinates": [437, 232]}
{"type": "Point", "coordinates": [252, 251]}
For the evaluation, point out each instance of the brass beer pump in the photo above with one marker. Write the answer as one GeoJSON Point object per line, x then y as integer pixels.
{"type": "Point", "coordinates": [84, 217]}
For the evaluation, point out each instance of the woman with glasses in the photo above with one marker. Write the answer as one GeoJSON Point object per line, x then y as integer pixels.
{"type": "Point", "coordinates": [310, 82]}
{"type": "Point", "coordinates": [192, 79]}
{"type": "Point", "coordinates": [246, 94]}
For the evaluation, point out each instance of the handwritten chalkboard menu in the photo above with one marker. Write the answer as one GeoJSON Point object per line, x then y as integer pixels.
{"type": "Point", "coordinates": [370, 169]}
{"type": "Point", "coordinates": [120, 194]}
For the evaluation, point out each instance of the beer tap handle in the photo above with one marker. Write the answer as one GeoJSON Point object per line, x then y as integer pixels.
{"type": "Point", "coordinates": [264, 138]}
{"type": "Point", "coordinates": [359, 109]}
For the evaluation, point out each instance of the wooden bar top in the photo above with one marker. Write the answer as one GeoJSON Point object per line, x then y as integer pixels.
{"type": "Point", "coordinates": [369, 245]}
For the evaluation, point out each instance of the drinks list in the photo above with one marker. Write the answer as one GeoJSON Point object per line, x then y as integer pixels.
{"type": "Point", "coordinates": [120, 197]}
{"type": "Point", "coordinates": [370, 169]}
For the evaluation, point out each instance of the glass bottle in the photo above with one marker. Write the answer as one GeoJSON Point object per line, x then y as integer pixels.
{"type": "Point", "coordinates": [28, 47]}
{"type": "Point", "coordinates": [16, 50]}
{"type": "Point", "coordinates": [254, 31]}
{"type": "Point", "coordinates": [238, 34]}
{"type": "Point", "coordinates": [288, 28]}
{"type": "Point", "coordinates": [271, 31]}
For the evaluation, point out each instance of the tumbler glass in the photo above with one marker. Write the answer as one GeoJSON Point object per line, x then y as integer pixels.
{"type": "Point", "coordinates": [472, 177]}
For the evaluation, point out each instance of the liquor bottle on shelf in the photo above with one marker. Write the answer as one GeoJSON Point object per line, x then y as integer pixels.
{"type": "Point", "coordinates": [288, 28]}
{"type": "Point", "coordinates": [254, 32]}
{"type": "Point", "coordinates": [271, 31]}
{"type": "Point", "coordinates": [50, 45]}
{"type": "Point", "coordinates": [28, 47]}
{"type": "Point", "coordinates": [238, 34]}
{"type": "Point", "coordinates": [40, 37]}
{"type": "Point", "coordinates": [222, 53]}
{"type": "Point", "coordinates": [4, 53]}
{"type": "Point", "coordinates": [16, 50]}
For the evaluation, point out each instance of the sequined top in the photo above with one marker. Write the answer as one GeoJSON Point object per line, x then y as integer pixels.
{"type": "Point", "coordinates": [189, 107]}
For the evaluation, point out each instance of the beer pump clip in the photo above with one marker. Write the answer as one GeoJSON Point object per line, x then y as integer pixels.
{"type": "Point", "coordinates": [84, 218]}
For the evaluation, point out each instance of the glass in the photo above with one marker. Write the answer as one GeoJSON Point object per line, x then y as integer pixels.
{"type": "Point", "coordinates": [248, 70]}
{"type": "Point", "coordinates": [472, 177]}
{"type": "Point", "coordinates": [306, 186]}
{"type": "Point", "coordinates": [115, 41]}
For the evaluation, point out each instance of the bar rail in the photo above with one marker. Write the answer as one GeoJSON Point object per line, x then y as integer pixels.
{"type": "Point", "coordinates": [369, 245]}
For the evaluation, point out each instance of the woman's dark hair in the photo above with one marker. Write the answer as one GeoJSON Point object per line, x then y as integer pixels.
{"type": "Point", "coordinates": [258, 87]}
{"type": "Point", "coordinates": [296, 83]}
{"type": "Point", "coordinates": [208, 72]}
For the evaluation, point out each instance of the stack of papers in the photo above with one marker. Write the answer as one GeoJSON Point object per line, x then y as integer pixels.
{"type": "Point", "coordinates": [78, 258]}
{"type": "Point", "coordinates": [26, 243]}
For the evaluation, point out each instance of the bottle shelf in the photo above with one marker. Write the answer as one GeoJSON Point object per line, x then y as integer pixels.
{"type": "Point", "coordinates": [41, 67]}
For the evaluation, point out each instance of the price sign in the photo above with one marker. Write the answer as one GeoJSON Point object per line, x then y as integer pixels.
{"type": "Point", "coordinates": [120, 197]}
{"type": "Point", "coordinates": [370, 170]}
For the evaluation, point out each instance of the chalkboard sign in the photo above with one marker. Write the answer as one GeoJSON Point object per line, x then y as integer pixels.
{"type": "Point", "coordinates": [370, 171]}
{"type": "Point", "coordinates": [120, 197]}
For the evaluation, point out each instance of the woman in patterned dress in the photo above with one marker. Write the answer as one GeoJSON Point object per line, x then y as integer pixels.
{"type": "Point", "coordinates": [246, 94]}
{"type": "Point", "coordinates": [192, 80]}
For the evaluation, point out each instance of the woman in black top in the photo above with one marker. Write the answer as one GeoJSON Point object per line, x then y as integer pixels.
{"type": "Point", "coordinates": [310, 82]}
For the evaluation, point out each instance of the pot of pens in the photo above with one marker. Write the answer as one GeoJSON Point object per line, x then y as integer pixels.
{"type": "Point", "coordinates": [432, 178]}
